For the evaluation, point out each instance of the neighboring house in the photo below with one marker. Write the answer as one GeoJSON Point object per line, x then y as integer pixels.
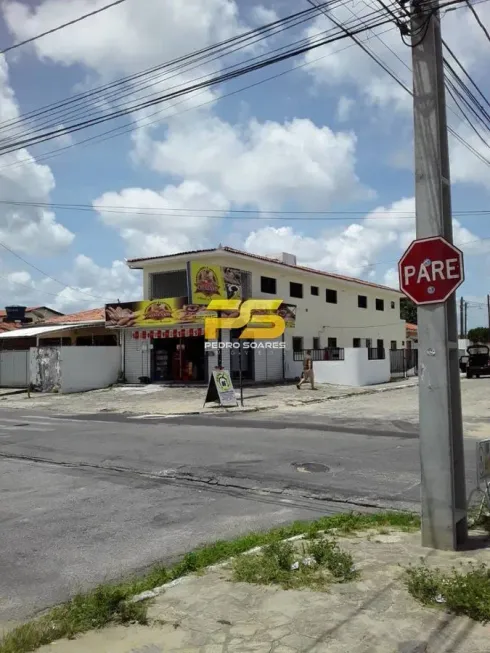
{"type": "Point", "coordinates": [411, 336]}
{"type": "Point", "coordinates": [85, 328]}
{"type": "Point", "coordinates": [66, 353]}
{"type": "Point", "coordinates": [33, 314]}
{"type": "Point", "coordinates": [326, 313]}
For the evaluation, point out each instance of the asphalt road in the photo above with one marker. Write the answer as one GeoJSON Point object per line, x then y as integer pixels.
{"type": "Point", "coordinates": [93, 499]}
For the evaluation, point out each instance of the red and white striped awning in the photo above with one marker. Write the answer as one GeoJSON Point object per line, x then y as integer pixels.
{"type": "Point", "coordinates": [189, 332]}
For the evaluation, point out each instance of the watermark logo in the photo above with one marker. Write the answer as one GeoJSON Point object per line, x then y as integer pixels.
{"type": "Point", "coordinates": [274, 325]}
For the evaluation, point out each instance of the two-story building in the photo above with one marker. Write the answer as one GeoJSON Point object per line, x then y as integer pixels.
{"type": "Point", "coordinates": [163, 335]}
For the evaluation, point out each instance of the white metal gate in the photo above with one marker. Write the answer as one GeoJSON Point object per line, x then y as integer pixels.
{"type": "Point", "coordinates": [14, 369]}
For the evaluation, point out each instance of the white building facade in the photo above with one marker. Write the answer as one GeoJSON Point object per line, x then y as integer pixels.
{"type": "Point", "coordinates": [332, 313]}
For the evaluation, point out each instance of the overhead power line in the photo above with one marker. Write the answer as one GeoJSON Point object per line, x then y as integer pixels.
{"type": "Point", "coordinates": [478, 19]}
{"type": "Point", "coordinates": [140, 123]}
{"type": "Point", "coordinates": [318, 41]}
{"type": "Point", "coordinates": [241, 214]}
{"type": "Point", "coordinates": [149, 77]}
{"type": "Point", "coordinates": [146, 122]}
{"type": "Point", "coordinates": [59, 27]}
{"type": "Point", "coordinates": [32, 138]}
{"type": "Point", "coordinates": [48, 276]}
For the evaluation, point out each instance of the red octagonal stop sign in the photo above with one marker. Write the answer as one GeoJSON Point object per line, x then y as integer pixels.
{"type": "Point", "coordinates": [430, 270]}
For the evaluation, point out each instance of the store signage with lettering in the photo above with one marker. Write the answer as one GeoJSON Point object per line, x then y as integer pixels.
{"type": "Point", "coordinates": [207, 282]}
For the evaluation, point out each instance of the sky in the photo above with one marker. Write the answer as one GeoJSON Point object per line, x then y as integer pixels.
{"type": "Point", "coordinates": [320, 157]}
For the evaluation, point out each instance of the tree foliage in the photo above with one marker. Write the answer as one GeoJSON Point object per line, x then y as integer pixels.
{"type": "Point", "coordinates": [408, 310]}
{"type": "Point", "coordinates": [479, 334]}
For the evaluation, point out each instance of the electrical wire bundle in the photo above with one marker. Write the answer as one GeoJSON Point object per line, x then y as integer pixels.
{"type": "Point", "coordinates": [124, 95]}
{"type": "Point", "coordinates": [465, 99]}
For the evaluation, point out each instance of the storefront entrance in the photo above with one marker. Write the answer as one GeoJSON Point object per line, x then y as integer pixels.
{"type": "Point", "coordinates": [178, 359]}
{"type": "Point", "coordinates": [246, 360]}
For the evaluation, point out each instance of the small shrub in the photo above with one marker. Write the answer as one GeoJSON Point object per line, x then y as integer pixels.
{"type": "Point", "coordinates": [339, 563]}
{"type": "Point", "coordinates": [323, 563]}
{"type": "Point", "coordinates": [462, 592]}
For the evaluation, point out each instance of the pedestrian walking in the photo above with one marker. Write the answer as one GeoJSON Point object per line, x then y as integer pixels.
{"type": "Point", "coordinates": [307, 371]}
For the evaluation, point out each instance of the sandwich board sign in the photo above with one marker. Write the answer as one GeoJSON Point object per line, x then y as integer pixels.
{"type": "Point", "coordinates": [220, 388]}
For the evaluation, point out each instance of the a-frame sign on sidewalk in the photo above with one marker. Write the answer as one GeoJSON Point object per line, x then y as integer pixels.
{"type": "Point", "coordinates": [220, 388]}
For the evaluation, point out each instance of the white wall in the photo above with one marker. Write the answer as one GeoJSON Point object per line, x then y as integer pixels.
{"type": "Point", "coordinates": [315, 318]}
{"type": "Point", "coordinates": [292, 368]}
{"type": "Point", "coordinates": [89, 368]}
{"type": "Point", "coordinates": [14, 369]}
{"type": "Point", "coordinates": [356, 370]}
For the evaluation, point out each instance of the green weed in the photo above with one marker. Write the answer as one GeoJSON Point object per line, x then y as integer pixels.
{"type": "Point", "coordinates": [464, 591]}
{"type": "Point", "coordinates": [111, 603]}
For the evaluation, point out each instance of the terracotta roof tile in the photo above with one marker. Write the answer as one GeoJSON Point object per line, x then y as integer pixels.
{"type": "Point", "coordinates": [91, 315]}
{"type": "Point", "coordinates": [411, 327]}
{"type": "Point", "coordinates": [8, 326]}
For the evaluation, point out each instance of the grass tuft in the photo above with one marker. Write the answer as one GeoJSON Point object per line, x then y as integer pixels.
{"type": "Point", "coordinates": [459, 591]}
{"type": "Point", "coordinates": [110, 603]}
{"type": "Point", "coordinates": [318, 564]}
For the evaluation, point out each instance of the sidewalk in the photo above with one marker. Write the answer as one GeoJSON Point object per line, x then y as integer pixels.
{"type": "Point", "coordinates": [373, 614]}
{"type": "Point", "coordinates": [171, 400]}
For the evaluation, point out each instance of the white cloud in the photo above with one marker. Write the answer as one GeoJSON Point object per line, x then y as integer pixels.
{"type": "Point", "coordinates": [165, 223]}
{"type": "Point", "coordinates": [263, 164]}
{"type": "Point", "coordinates": [355, 250]}
{"type": "Point", "coordinates": [353, 66]}
{"type": "Point", "coordinates": [344, 108]}
{"type": "Point", "coordinates": [124, 38]}
{"type": "Point", "coordinates": [88, 285]}
{"type": "Point", "coordinates": [263, 15]}
{"type": "Point", "coordinates": [24, 228]}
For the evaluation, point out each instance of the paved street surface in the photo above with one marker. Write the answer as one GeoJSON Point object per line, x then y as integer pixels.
{"type": "Point", "coordinates": [88, 500]}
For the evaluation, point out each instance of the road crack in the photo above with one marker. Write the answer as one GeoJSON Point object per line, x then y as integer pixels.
{"type": "Point", "coordinates": [188, 479]}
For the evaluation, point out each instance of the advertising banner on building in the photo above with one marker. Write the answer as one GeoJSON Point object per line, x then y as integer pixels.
{"type": "Point", "coordinates": [207, 282]}
{"type": "Point", "coordinates": [155, 313]}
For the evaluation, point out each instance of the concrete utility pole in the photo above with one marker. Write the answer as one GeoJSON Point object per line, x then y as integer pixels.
{"type": "Point", "coordinates": [488, 310]}
{"type": "Point", "coordinates": [461, 318]}
{"type": "Point", "coordinates": [444, 518]}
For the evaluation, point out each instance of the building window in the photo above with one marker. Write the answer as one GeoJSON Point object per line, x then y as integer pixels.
{"type": "Point", "coordinates": [168, 284]}
{"type": "Point", "coordinates": [295, 289]}
{"type": "Point", "coordinates": [392, 304]}
{"type": "Point", "coordinates": [356, 342]}
{"type": "Point", "coordinates": [316, 343]}
{"type": "Point", "coordinates": [332, 343]}
{"type": "Point", "coordinates": [330, 296]}
{"type": "Point", "coordinates": [314, 291]}
{"type": "Point", "coordinates": [393, 344]}
{"type": "Point", "coordinates": [297, 343]}
{"type": "Point", "coordinates": [380, 344]}
{"type": "Point", "coordinates": [369, 343]}
{"type": "Point", "coordinates": [268, 285]}
{"type": "Point", "coordinates": [362, 301]}
{"type": "Point", "coordinates": [380, 304]}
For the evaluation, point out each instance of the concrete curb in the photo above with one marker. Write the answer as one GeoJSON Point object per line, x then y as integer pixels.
{"type": "Point", "coordinates": [348, 395]}
{"type": "Point", "coordinates": [152, 594]}
{"type": "Point", "coordinates": [20, 391]}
